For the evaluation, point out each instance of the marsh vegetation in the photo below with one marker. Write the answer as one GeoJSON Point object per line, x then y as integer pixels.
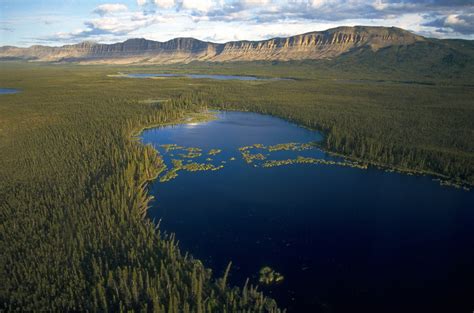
{"type": "Point", "coordinates": [257, 155]}
{"type": "Point", "coordinates": [268, 276]}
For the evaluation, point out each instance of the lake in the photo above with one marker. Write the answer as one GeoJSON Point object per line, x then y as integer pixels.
{"type": "Point", "coordinates": [346, 239]}
{"type": "Point", "coordinates": [205, 76]}
{"type": "Point", "coordinates": [8, 91]}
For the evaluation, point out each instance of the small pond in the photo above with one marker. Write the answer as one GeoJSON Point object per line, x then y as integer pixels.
{"type": "Point", "coordinates": [205, 76]}
{"type": "Point", "coordinates": [8, 91]}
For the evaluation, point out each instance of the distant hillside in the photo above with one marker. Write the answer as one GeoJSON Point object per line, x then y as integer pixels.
{"type": "Point", "coordinates": [310, 46]}
{"type": "Point", "coordinates": [430, 61]}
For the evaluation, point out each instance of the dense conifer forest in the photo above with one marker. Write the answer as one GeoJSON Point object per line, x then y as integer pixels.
{"type": "Point", "coordinates": [383, 113]}
{"type": "Point", "coordinates": [73, 197]}
{"type": "Point", "coordinates": [413, 128]}
{"type": "Point", "coordinates": [73, 175]}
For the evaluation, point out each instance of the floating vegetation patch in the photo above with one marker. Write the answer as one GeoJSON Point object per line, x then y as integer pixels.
{"type": "Point", "coordinates": [173, 172]}
{"type": "Point", "coordinates": [263, 154]}
{"type": "Point", "coordinates": [448, 183]}
{"type": "Point", "coordinates": [214, 151]}
{"type": "Point", "coordinates": [186, 160]}
{"type": "Point", "coordinates": [178, 165]}
{"type": "Point", "coordinates": [256, 155]}
{"type": "Point", "coordinates": [254, 146]}
{"type": "Point", "coordinates": [194, 159]}
{"type": "Point", "coordinates": [249, 157]}
{"type": "Point", "coordinates": [292, 146]}
{"type": "Point", "coordinates": [171, 147]}
{"type": "Point", "coordinates": [306, 160]}
{"type": "Point", "coordinates": [191, 153]}
{"type": "Point", "coordinates": [194, 167]}
{"type": "Point", "coordinates": [268, 276]}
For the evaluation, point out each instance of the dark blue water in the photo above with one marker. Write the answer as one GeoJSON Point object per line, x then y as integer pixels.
{"type": "Point", "coordinates": [8, 91]}
{"type": "Point", "coordinates": [218, 77]}
{"type": "Point", "coordinates": [345, 239]}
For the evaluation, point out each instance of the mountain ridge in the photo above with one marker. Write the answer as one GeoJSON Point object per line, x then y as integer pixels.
{"type": "Point", "coordinates": [314, 45]}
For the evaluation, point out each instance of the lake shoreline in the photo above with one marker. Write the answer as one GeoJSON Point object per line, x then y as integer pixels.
{"type": "Point", "coordinates": [443, 180]}
{"type": "Point", "coordinates": [191, 117]}
{"type": "Point", "coordinates": [188, 118]}
{"type": "Point", "coordinates": [440, 178]}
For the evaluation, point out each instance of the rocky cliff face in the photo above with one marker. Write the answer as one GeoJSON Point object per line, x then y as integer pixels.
{"type": "Point", "coordinates": [314, 45]}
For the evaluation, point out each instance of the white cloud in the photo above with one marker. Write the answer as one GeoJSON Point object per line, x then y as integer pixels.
{"type": "Point", "coordinates": [124, 24]}
{"type": "Point", "coordinates": [199, 5]}
{"type": "Point", "coordinates": [165, 4]}
{"type": "Point", "coordinates": [111, 28]}
{"type": "Point", "coordinates": [379, 5]}
{"type": "Point", "coordinates": [454, 19]}
{"type": "Point", "coordinates": [454, 23]}
{"type": "Point", "coordinates": [251, 3]}
{"type": "Point", "coordinates": [221, 20]}
{"type": "Point", "coordinates": [318, 3]}
{"type": "Point", "coordinates": [108, 8]}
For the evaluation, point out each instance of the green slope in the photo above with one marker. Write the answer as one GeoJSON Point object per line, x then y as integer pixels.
{"type": "Point", "coordinates": [431, 61]}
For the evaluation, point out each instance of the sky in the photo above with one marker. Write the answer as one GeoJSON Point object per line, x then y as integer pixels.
{"type": "Point", "coordinates": [57, 22]}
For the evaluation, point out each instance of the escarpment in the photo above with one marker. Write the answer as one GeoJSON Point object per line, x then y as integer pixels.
{"type": "Point", "coordinates": [314, 45]}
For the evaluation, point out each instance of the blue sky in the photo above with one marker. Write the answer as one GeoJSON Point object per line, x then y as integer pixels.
{"type": "Point", "coordinates": [54, 22]}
